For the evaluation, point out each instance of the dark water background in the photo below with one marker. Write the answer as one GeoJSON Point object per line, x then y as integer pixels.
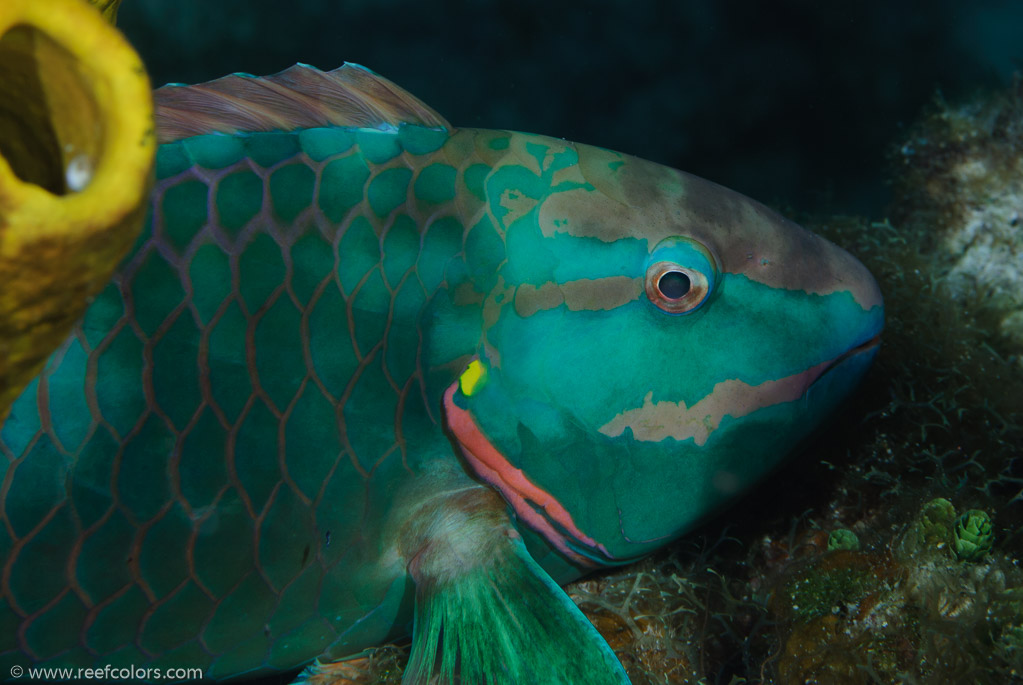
{"type": "Point", "coordinates": [794, 103]}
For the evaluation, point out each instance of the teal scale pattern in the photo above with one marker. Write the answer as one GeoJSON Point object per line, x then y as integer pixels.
{"type": "Point", "coordinates": [196, 476]}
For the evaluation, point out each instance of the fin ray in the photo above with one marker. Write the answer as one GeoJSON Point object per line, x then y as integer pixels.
{"type": "Point", "coordinates": [298, 97]}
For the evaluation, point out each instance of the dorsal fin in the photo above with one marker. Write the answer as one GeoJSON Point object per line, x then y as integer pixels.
{"type": "Point", "coordinates": [298, 97]}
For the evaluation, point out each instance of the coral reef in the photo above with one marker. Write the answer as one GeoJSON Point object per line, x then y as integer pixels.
{"type": "Point", "coordinates": [960, 171]}
{"type": "Point", "coordinates": [917, 609]}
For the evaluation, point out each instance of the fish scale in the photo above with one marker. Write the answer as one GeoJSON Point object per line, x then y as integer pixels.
{"type": "Point", "coordinates": [241, 338]}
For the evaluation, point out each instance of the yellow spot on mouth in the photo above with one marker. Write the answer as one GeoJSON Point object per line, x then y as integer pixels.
{"type": "Point", "coordinates": [472, 378]}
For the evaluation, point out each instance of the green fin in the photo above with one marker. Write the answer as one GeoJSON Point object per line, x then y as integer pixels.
{"type": "Point", "coordinates": [486, 612]}
{"type": "Point", "coordinates": [298, 97]}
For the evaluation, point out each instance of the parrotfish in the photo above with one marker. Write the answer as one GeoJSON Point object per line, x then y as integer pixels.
{"type": "Point", "coordinates": [366, 374]}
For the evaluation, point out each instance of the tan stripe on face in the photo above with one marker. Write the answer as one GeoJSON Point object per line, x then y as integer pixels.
{"type": "Point", "coordinates": [655, 421]}
{"type": "Point", "coordinates": [582, 294]}
{"type": "Point", "coordinates": [632, 198]}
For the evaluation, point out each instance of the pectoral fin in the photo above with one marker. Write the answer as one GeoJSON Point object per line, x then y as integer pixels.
{"type": "Point", "coordinates": [485, 611]}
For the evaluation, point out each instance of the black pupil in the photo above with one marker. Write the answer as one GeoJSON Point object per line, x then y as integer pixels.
{"type": "Point", "coordinates": [674, 285]}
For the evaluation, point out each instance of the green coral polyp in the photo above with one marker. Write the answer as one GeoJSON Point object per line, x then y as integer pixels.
{"type": "Point", "coordinates": [843, 538]}
{"type": "Point", "coordinates": [974, 535]}
{"type": "Point", "coordinates": [931, 529]}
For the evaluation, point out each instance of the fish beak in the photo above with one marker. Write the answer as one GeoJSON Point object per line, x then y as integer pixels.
{"type": "Point", "coordinates": [857, 356]}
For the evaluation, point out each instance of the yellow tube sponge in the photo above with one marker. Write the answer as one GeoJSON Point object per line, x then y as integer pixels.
{"type": "Point", "coordinates": [76, 154]}
{"type": "Point", "coordinates": [107, 7]}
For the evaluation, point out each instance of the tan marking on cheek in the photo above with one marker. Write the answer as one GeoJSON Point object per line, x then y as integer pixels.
{"type": "Point", "coordinates": [500, 296]}
{"type": "Point", "coordinates": [601, 293]}
{"type": "Point", "coordinates": [497, 298]}
{"type": "Point", "coordinates": [655, 421]}
{"type": "Point", "coordinates": [583, 294]}
{"type": "Point", "coordinates": [529, 299]}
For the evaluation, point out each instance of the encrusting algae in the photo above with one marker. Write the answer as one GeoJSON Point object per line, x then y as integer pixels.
{"type": "Point", "coordinates": [959, 171]}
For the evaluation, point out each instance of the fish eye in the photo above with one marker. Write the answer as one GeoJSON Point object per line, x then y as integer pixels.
{"type": "Point", "coordinates": [674, 284]}
{"type": "Point", "coordinates": [680, 274]}
{"type": "Point", "coordinates": [674, 288]}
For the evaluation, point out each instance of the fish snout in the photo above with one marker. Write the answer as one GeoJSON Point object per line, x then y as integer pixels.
{"type": "Point", "coordinates": [826, 312]}
{"type": "Point", "coordinates": [855, 318]}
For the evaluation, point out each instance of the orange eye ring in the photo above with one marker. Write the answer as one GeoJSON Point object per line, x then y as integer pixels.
{"type": "Point", "coordinates": [674, 288]}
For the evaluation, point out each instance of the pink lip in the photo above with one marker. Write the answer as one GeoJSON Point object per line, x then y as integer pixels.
{"type": "Point", "coordinates": [526, 498]}
{"type": "Point", "coordinates": [867, 346]}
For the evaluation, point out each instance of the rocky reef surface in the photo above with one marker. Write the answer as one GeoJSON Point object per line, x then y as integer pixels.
{"type": "Point", "coordinates": [960, 172]}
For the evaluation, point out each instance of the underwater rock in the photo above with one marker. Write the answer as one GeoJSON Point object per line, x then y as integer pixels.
{"type": "Point", "coordinates": [637, 612]}
{"type": "Point", "coordinates": [831, 606]}
{"type": "Point", "coordinates": [919, 613]}
{"type": "Point", "coordinates": [960, 170]}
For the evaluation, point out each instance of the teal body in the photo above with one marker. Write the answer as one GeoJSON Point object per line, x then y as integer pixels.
{"type": "Point", "coordinates": [219, 468]}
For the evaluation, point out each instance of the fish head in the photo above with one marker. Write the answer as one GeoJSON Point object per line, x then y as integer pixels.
{"type": "Point", "coordinates": [655, 345]}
